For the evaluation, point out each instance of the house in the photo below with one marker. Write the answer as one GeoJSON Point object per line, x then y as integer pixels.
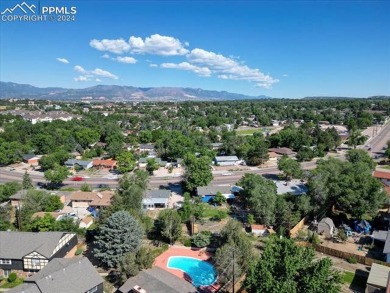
{"type": "Point", "coordinates": [261, 230]}
{"type": "Point", "coordinates": [17, 198]}
{"type": "Point", "coordinates": [71, 163]}
{"type": "Point", "coordinates": [156, 280]}
{"type": "Point", "coordinates": [384, 177]}
{"type": "Point", "coordinates": [142, 162]}
{"type": "Point", "coordinates": [226, 160]}
{"type": "Point", "coordinates": [383, 236]}
{"type": "Point", "coordinates": [31, 159]}
{"type": "Point", "coordinates": [208, 192]}
{"type": "Point", "coordinates": [146, 148]}
{"type": "Point", "coordinates": [70, 275]}
{"type": "Point", "coordinates": [154, 199]}
{"type": "Point", "coordinates": [108, 164]}
{"type": "Point", "coordinates": [378, 279]}
{"type": "Point", "coordinates": [273, 157]}
{"type": "Point", "coordinates": [216, 146]}
{"type": "Point", "coordinates": [85, 199]}
{"type": "Point", "coordinates": [86, 222]}
{"type": "Point", "coordinates": [282, 151]}
{"type": "Point", "coordinates": [326, 227]}
{"type": "Point", "coordinates": [32, 251]}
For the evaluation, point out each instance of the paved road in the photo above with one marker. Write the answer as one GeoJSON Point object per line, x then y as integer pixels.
{"type": "Point", "coordinates": [155, 182]}
{"type": "Point", "coordinates": [380, 141]}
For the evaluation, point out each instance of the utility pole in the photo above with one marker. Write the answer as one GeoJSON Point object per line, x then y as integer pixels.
{"type": "Point", "coordinates": [233, 269]}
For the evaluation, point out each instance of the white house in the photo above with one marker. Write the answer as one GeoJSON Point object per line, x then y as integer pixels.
{"type": "Point", "coordinates": [226, 160]}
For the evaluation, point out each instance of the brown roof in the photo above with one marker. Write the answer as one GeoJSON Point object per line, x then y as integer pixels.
{"type": "Point", "coordinates": [272, 154]}
{"type": "Point", "coordinates": [282, 151]}
{"type": "Point", "coordinates": [102, 198]}
{"type": "Point", "coordinates": [387, 189]}
{"type": "Point", "coordinates": [108, 163]}
{"type": "Point", "coordinates": [42, 214]}
{"type": "Point", "coordinates": [381, 175]}
{"type": "Point", "coordinates": [87, 220]}
{"type": "Point", "coordinates": [258, 227]}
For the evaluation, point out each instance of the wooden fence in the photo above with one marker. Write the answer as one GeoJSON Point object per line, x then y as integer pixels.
{"type": "Point", "coordinates": [342, 254]}
{"type": "Point", "coordinates": [298, 227]}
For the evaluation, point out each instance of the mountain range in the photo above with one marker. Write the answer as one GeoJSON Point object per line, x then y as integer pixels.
{"type": "Point", "coordinates": [118, 93]}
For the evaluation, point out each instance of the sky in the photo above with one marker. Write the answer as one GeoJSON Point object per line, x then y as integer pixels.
{"type": "Point", "coordinates": [282, 49]}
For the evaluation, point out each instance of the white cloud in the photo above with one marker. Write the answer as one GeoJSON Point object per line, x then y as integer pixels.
{"type": "Point", "coordinates": [98, 80]}
{"type": "Point", "coordinates": [63, 60]}
{"type": "Point", "coordinates": [157, 45]}
{"type": "Point", "coordinates": [87, 75]}
{"type": "Point", "coordinates": [153, 65]}
{"type": "Point", "coordinates": [227, 68]}
{"type": "Point", "coordinates": [154, 45]}
{"type": "Point", "coordinates": [81, 78]}
{"type": "Point", "coordinates": [202, 71]}
{"type": "Point", "coordinates": [103, 73]}
{"type": "Point", "coordinates": [105, 56]}
{"type": "Point", "coordinates": [129, 60]}
{"type": "Point", "coordinates": [285, 75]}
{"type": "Point", "coordinates": [80, 69]}
{"type": "Point", "coordinates": [117, 46]}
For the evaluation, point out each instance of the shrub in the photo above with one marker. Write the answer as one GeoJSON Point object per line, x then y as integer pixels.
{"type": "Point", "coordinates": [202, 239]}
{"type": "Point", "coordinates": [12, 277]}
{"type": "Point", "coordinates": [352, 259]}
{"type": "Point", "coordinates": [220, 215]}
{"type": "Point", "coordinates": [185, 241]}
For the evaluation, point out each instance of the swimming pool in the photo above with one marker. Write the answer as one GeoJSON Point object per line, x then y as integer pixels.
{"type": "Point", "coordinates": [201, 272]}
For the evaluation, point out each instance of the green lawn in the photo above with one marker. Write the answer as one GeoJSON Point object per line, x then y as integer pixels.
{"type": "Point", "coordinates": [356, 281]}
{"type": "Point", "coordinates": [8, 285]}
{"type": "Point", "coordinates": [248, 131]}
{"type": "Point", "coordinates": [348, 277]}
{"type": "Point", "coordinates": [211, 211]}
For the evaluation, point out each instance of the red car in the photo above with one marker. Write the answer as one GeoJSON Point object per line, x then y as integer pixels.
{"type": "Point", "coordinates": [77, 178]}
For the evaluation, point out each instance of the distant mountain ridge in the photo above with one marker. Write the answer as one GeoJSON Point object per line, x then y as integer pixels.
{"type": "Point", "coordinates": [344, 98]}
{"type": "Point", "coordinates": [118, 93]}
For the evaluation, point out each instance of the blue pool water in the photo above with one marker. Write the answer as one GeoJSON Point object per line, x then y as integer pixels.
{"type": "Point", "coordinates": [201, 272]}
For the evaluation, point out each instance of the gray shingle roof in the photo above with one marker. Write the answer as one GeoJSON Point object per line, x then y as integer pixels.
{"type": "Point", "coordinates": [158, 193]}
{"type": "Point", "coordinates": [212, 190]}
{"type": "Point", "coordinates": [65, 275]}
{"type": "Point", "coordinates": [77, 162]}
{"type": "Point", "coordinates": [25, 288]}
{"type": "Point", "coordinates": [380, 235]}
{"type": "Point", "coordinates": [19, 195]}
{"type": "Point", "coordinates": [15, 245]}
{"type": "Point", "coordinates": [386, 249]}
{"type": "Point", "coordinates": [28, 156]}
{"type": "Point", "coordinates": [378, 275]}
{"type": "Point", "coordinates": [157, 280]}
{"type": "Point", "coordinates": [226, 158]}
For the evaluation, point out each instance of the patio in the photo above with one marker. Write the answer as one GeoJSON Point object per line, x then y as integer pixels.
{"type": "Point", "coordinates": [162, 261]}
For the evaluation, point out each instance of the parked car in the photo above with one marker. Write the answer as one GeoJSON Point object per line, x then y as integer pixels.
{"type": "Point", "coordinates": [103, 186]}
{"type": "Point", "coordinates": [77, 178]}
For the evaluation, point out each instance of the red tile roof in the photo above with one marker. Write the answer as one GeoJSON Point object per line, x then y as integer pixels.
{"type": "Point", "coordinates": [381, 175]}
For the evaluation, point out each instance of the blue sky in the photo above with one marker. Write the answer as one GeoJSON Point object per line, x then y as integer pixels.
{"type": "Point", "coordinates": [281, 49]}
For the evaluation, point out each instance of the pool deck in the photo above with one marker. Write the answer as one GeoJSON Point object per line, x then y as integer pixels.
{"type": "Point", "coordinates": [162, 261]}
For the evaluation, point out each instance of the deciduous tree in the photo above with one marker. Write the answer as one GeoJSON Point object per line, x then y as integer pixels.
{"type": "Point", "coordinates": [285, 267]}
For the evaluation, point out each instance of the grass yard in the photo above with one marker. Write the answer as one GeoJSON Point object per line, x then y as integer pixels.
{"type": "Point", "coordinates": [387, 167]}
{"type": "Point", "coordinates": [211, 211]}
{"type": "Point", "coordinates": [7, 285]}
{"type": "Point", "coordinates": [354, 281]}
{"type": "Point", "coordinates": [248, 131]}
{"type": "Point", "coordinates": [348, 277]}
